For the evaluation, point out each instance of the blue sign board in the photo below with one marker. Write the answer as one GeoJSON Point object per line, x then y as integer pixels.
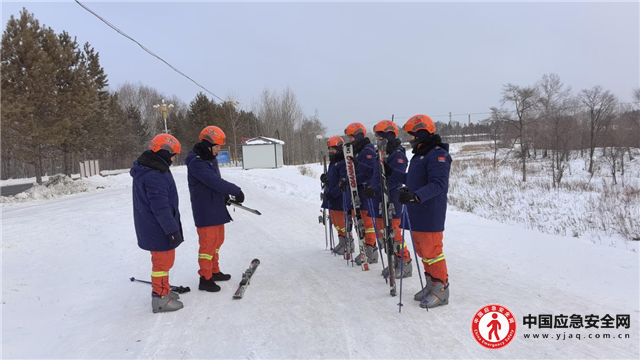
{"type": "Point", "coordinates": [223, 157]}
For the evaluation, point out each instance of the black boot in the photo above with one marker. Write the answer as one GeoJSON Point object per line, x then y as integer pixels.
{"type": "Point", "coordinates": [208, 285]}
{"type": "Point", "coordinates": [220, 276]}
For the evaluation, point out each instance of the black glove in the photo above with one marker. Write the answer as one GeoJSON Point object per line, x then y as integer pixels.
{"type": "Point", "coordinates": [226, 199]}
{"type": "Point", "coordinates": [369, 192]}
{"type": "Point", "coordinates": [328, 197]}
{"type": "Point", "coordinates": [387, 169]}
{"type": "Point", "coordinates": [240, 198]}
{"type": "Point", "coordinates": [355, 161]}
{"type": "Point", "coordinates": [407, 197]}
{"type": "Point", "coordinates": [323, 179]}
{"type": "Point", "coordinates": [175, 239]}
{"type": "Point", "coordinates": [343, 184]}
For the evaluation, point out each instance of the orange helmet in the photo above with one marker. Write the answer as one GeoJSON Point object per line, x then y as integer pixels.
{"type": "Point", "coordinates": [165, 142]}
{"type": "Point", "coordinates": [214, 135]}
{"type": "Point", "coordinates": [355, 128]}
{"type": "Point", "coordinates": [335, 141]}
{"type": "Point", "coordinates": [386, 126]}
{"type": "Point", "coordinates": [420, 122]}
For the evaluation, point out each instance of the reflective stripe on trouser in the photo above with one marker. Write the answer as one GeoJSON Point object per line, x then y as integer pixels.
{"type": "Point", "coordinates": [161, 263]}
{"type": "Point", "coordinates": [369, 230]}
{"type": "Point", "coordinates": [429, 248]}
{"type": "Point", "coordinates": [337, 219]}
{"type": "Point", "coordinates": [211, 239]}
{"type": "Point", "coordinates": [395, 223]}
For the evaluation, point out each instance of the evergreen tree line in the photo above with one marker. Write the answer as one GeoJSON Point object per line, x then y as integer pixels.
{"type": "Point", "coordinates": [57, 110]}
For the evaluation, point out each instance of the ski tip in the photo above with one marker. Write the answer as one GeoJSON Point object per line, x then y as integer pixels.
{"type": "Point", "coordinates": [255, 261]}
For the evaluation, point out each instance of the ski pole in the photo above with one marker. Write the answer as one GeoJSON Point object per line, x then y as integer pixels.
{"type": "Point", "coordinates": [375, 228]}
{"type": "Point", "coordinates": [402, 263]}
{"type": "Point", "coordinates": [406, 216]}
{"type": "Point", "coordinates": [174, 288]}
{"type": "Point", "coordinates": [347, 245]}
{"type": "Point", "coordinates": [330, 227]}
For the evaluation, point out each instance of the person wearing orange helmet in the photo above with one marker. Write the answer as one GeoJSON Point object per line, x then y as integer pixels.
{"type": "Point", "coordinates": [156, 216]}
{"type": "Point", "coordinates": [209, 194]}
{"type": "Point", "coordinates": [397, 160]}
{"type": "Point", "coordinates": [333, 195]}
{"type": "Point", "coordinates": [364, 161]}
{"type": "Point", "coordinates": [427, 184]}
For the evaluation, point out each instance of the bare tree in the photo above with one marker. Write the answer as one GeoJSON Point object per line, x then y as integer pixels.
{"type": "Point", "coordinates": [556, 107]}
{"type": "Point", "coordinates": [233, 118]}
{"type": "Point", "coordinates": [524, 100]}
{"type": "Point", "coordinates": [281, 115]}
{"type": "Point", "coordinates": [600, 105]}
{"type": "Point", "coordinates": [495, 123]}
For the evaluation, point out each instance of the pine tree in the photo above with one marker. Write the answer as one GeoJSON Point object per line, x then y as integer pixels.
{"type": "Point", "coordinates": [28, 88]}
{"type": "Point", "coordinates": [139, 130]}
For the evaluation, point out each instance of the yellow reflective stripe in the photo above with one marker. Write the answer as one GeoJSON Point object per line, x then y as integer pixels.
{"type": "Point", "coordinates": [434, 260]}
{"type": "Point", "coordinates": [205, 256]}
{"type": "Point", "coordinates": [370, 230]}
{"type": "Point", "coordinates": [217, 251]}
{"type": "Point", "coordinates": [159, 273]}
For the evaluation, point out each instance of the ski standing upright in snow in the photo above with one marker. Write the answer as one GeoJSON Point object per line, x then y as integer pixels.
{"type": "Point", "coordinates": [246, 279]}
{"type": "Point", "coordinates": [355, 198]}
{"type": "Point", "coordinates": [323, 220]}
{"type": "Point", "coordinates": [387, 214]}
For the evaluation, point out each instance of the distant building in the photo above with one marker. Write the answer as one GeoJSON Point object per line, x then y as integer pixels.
{"type": "Point", "coordinates": [262, 153]}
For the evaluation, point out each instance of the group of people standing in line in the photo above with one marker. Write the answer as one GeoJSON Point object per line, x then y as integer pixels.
{"type": "Point", "coordinates": [424, 197]}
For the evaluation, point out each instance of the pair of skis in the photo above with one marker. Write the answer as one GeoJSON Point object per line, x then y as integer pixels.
{"type": "Point", "coordinates": [239, 294]}
{"type": "Point", "coordinates": [323, 219]}
{"type": "Point", "coordinates": [387, 212]}
{"type": "Point", "coordinates": [355, 199]}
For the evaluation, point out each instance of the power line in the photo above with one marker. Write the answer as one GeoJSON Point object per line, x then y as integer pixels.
{"type": "Point", "coordinates": [145, 49]}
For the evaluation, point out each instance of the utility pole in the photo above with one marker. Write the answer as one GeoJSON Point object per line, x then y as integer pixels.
{"type": "Point", "coordinates": [449, 118]}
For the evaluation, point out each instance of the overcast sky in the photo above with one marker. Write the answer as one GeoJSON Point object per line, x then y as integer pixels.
{"type": "Point", "coordinates": [359, 61]}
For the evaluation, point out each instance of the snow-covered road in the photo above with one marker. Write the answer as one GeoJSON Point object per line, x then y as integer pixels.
{"type": "Point", "coordinates": [66, 293]}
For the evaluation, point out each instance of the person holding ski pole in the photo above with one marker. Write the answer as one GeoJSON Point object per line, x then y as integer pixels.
{"type": "Point", "coordinates": [396, 160]}
{"type": "Point", "coordinates": [364, 161]}
{"type": "Point", "coordinates": [209, 194]}
{"type": "Point", "coordinates": [426, 199]}
{"type": "Point", "coordinates": [333, 194]}
{"type": "Point", "coordinates": [156, 216]}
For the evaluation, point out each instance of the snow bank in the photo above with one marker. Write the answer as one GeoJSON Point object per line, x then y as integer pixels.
{"type": "Point", "coordinates": [54, 187]}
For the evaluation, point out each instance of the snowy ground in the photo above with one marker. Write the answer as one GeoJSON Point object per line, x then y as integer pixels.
{"type": "Point", "coordinates": [593, 209]}
{"type": "Point", "coordinates": [66, 293]}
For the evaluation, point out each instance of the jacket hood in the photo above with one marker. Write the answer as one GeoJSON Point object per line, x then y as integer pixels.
{"type": "Point", "coordinates": [148, 161]}
{"type": "Point", "coordinates": [192, 155]}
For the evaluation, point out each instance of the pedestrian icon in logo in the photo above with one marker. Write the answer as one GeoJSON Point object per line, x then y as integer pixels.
{"type": "Point", "coordinates": [495, 326]}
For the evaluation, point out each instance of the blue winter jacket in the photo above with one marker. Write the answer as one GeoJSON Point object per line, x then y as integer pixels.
{"type": "Point", "coordinates": [367, 159]}
{"type": "Point", "coordinates": [398, 161]}
{"type": "Point", "coordinates": [207, 190]}
{"type": "Point", "coordinates": [428, 178]}
{"type": "Point", "coordinates": [155, 203]}
{"type": "Point", "coordinates": [337, 170]}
